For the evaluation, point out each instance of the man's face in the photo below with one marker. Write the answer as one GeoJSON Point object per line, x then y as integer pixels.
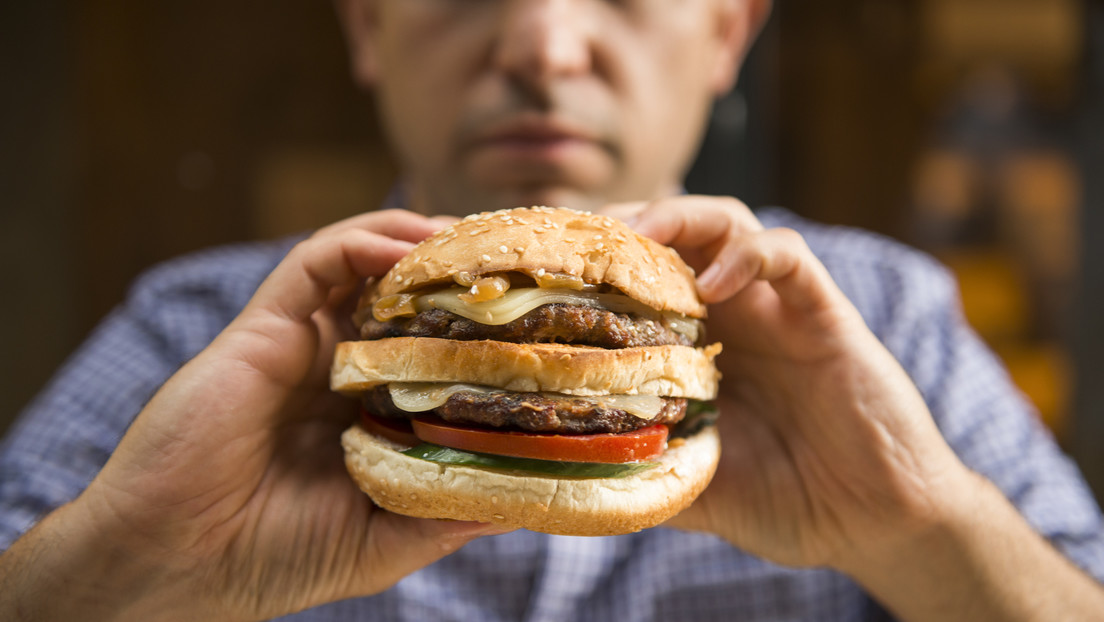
{"type": "Point", "coordinates": [501, 103]}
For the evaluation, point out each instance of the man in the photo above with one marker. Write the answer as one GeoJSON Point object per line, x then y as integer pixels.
{"type": "Point", "coordinates": [226, 498]}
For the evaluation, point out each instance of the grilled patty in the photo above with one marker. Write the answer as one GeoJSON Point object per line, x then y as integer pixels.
{"type": "Point", "coordinates": [532, 412]}
{"type": "Point", "coordinates": [551, 323]}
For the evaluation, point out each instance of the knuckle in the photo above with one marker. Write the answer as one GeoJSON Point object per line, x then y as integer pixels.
{"type": "Point", "coordinates": [735, 205]}
{"type": "Point", "coordinates": [393, 212]}
{"type": "Point", "coordinates": [303, 247]}
{"type": "Point", "coordinates": [790, 237]}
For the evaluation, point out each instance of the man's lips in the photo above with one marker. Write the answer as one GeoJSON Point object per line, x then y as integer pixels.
{"type": "Point", "coordinates": [537, 138]}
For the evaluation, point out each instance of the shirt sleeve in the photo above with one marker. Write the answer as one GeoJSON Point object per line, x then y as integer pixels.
{"type": "Point", "coordinates": [64, 437]}
{"type": "Point", "coordinates": [987, 421]}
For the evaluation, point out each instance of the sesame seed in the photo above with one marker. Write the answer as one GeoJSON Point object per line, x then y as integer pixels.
{"type": "Point", "coordinates": [600, 246]}
{"type": "Point", "coordinates": [569, 240]}
{"type": "Point", "coordinates": [540, 272]}
{"type": "Point", "coordinates": [486, 258]}
{"type": "Point", "coordinates": [503, 249]}
{"type": "Point", "coordinates": [598, 237]}
{"type": "Point", "coordinates": [519, 250]}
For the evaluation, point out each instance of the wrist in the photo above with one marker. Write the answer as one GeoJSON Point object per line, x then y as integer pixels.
{"type": "Point", "coordinates": [922, 552]}
{"type": "Point", "coordinates": [74, 565]}
{"type": "Point", "coordinates": [977, 559]}
{"type": "Point", "coordinates": [921, 527]}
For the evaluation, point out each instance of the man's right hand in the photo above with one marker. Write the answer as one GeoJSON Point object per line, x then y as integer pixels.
{"type": "Point", "coordinates": [228, 498]}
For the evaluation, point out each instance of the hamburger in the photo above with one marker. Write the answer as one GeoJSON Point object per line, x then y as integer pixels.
{"type": "Point", "coordinates": [540, 368]}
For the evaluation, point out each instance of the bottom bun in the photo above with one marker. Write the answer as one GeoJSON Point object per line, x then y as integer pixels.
{"type": "Point", "coordinates": [565, 506]}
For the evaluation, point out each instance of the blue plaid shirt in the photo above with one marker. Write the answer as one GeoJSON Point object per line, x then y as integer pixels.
{"type": "Point", "coordinates": [174, 310]}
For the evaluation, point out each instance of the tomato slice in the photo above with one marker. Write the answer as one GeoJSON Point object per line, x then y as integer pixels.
{"type": "Point", "coordinates": [643, 444]}
{"type": "Point", "coordinates": [391, 428]}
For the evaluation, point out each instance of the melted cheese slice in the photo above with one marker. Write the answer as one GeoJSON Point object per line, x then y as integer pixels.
{"type": "Point", "coordinates": [517, 302]}
{"type": "Point", "coordinates": [423, 396]}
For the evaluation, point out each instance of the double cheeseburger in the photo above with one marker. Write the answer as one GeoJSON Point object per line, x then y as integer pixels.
{"type": "Point", "coordinates": [533, 368]}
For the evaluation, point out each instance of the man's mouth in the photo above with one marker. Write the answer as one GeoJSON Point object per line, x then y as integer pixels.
{"type": "Point", "coordinates": [534, 138]}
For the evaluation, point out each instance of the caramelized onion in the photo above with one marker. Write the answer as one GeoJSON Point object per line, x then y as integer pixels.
{"type": "Point", "coordinates": [557, 280]}
{"type": "Point", "coordinates": [486, 288]}
{"type": "Point", "coordinates": [517, 302]}
{"type": "Point", "coordinates": [395, 305]}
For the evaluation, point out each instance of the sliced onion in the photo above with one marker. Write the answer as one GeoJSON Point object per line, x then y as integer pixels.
{"type": "Point", "coordinates": [643, 406]}
{"type": "Point", "coordinates": [423, 396]}
{"type": "Point", "coordinates": [416, 397]}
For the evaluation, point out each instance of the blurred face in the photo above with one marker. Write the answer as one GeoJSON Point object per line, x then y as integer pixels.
{"type": "Point", "coordinates": [502, 103]}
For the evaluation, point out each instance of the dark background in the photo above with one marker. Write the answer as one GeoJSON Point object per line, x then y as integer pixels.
{"type": "Point", "coordinates": [133, 131]}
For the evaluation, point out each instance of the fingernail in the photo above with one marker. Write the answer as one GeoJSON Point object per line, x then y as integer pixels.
{"type": "Point", "coordinates": [495, 529]}
{"type": "Point", "coordinates": [707, 280]}
{"type": "Point", "coordinates": [472, 528]}
{"type": "Point", "coordinates": [444, 220]}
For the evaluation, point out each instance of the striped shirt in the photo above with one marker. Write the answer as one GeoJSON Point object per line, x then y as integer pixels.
{"type": "Point", "coordinates": [908, 301]}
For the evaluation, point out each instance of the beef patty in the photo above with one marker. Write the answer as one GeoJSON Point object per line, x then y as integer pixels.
{"type": "Point", "coordinates": [532, 412]}
{"type": "Point", "coordinates": [557, 322]}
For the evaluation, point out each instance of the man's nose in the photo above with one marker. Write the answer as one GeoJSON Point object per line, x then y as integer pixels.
{"type": "Point", "coordinates": [541, 40]}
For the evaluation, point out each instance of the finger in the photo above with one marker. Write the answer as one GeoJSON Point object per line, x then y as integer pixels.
{"type": "Point", "coordinates": [393, 223]}
{"type": "Point", "coordinates": [404, 545]}
{"type": "Point", "coordinates": [694, 222]}
{"type": "Point", "coordinates": [778, 256]}
{"type": "Point", "coordinates": [625, 212]}
{"type": "Point", "coordinates": [303, 282]}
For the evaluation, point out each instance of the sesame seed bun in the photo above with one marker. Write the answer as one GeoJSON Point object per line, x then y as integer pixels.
{"type": "Point", "coordinates": [598, 249]}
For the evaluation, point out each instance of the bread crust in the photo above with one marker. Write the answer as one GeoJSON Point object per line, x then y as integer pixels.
{"type": "Point", "coordinates": [597, 248]}
{"type": "Point", "coordinates": [669, 371]}
{"type": "Point", "coordinates": [566, 506]}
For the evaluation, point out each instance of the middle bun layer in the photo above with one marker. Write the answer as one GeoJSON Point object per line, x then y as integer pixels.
{"type": "Point", "coordinates": [670, 371]}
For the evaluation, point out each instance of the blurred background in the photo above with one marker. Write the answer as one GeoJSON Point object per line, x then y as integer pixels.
{"type": "Point", "coordinates": [133, 131]}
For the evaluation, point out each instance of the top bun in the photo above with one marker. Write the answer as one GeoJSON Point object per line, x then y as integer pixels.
{"type": "Point", "coordinates": [598, 249]}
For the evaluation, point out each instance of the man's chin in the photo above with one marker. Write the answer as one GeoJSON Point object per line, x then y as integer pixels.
{"type": "Point", "coordinates": [491, 199]}
{"type": "Point", "coordinates": [555, 197]}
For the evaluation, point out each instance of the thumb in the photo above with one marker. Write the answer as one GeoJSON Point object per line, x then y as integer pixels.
{"type": "Point", "coordinates": [694, 518]}
{"type": "Point", "coordinates": [397, 546]}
